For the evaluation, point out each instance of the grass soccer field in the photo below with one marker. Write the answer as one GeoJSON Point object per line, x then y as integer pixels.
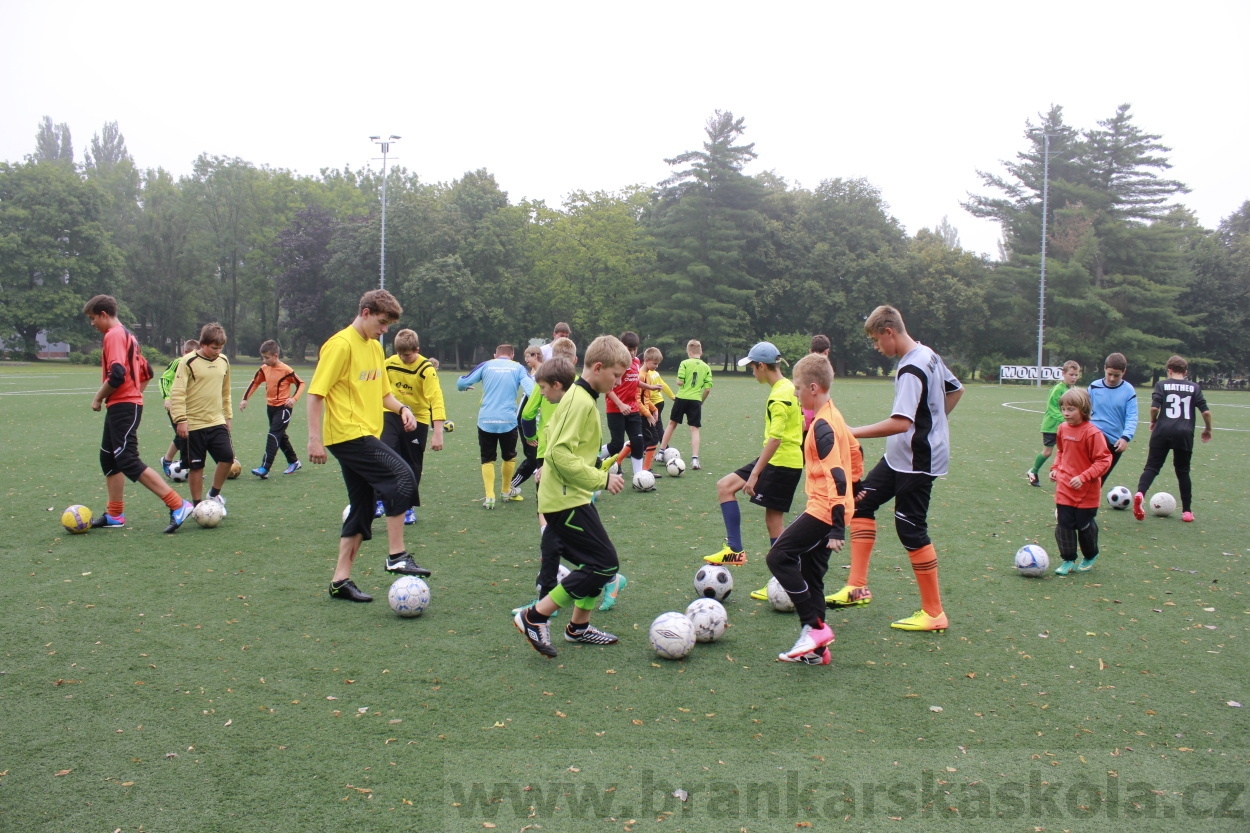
{"type": "Point", "coordinates": [204, 681]}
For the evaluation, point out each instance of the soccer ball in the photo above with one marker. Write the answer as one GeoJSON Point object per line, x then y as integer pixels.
{"type": "Point", "coordinates": [409, 596]}
{"type": "Point", "coordinates": [208, 513]}
{"type": "Point", "coordinates": [1119, 497]}
{"type": "Point", "coordinates": [778, 597]}
{"type": "Point", "coordinates": [709, 619]}
{"type": "Point", "coordinates": [672, 635]}
{"type": "Point", "coordinates": [178, 472]}
{"type": "Point", "coordinates": [714, 582]}
{"type": "Point", "coordinates": [1162, 504]}
{"type": "Point", "coordinates": [449, 426]}
{"type": "Point", "coordinates": [236, 468]}
{"type": "Point", "coordinates": [1032, 561]}
{"type": "Point", "coordinates": [76, 519]}
{"type": "Point", "coordinates": [644, 481]}
{"type": "Point", "coordinates": [561, 574]}
{"type": "Point", "coordinates": [671, 454]}
{"type": "Point", "coordinates": [676, 467]}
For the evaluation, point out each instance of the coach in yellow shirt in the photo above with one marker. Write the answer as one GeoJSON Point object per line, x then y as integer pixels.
{"type": "Point", "coordinates": [348, 392]}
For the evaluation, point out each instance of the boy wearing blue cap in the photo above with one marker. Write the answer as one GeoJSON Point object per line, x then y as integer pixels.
{"type": "Point", "coordinates": [770, 479]}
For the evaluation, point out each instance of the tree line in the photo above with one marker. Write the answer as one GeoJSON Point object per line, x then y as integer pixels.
{"type": "Point", "coordinates": [712, 252]}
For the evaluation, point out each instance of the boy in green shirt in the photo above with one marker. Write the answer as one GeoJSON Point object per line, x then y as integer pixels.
{"type": "Point", "coordinates": [694, 384]}
{"type": "Point", "coordinates": [1052, 419]}
{"type": "Point", "coordinates": [179, 445]}
{"type": "Point", "coordinates": [565, 491]}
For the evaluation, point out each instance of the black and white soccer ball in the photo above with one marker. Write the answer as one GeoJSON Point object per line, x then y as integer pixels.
{"type": "Point", "coordinates": [672, 635]}
{"type": "Point", "coordinates": [714, 582]}
{"type": "Point", "coordinates": [709, 619]}
{"type": "Point", "coordinates": [1120, 498]}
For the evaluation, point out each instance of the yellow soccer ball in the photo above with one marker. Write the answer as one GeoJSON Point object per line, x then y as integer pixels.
{"type": "Point", "coordinates": [236, 468]}
{"type": "Point", "coordinates": [76, 519]}
{"type": "Point", "coordinates": [449, 426]}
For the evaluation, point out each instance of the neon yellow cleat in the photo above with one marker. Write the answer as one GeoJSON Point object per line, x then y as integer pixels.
{"type": "Point", "coordinates": [760, 595]}
{"type": "Point", "coordinates": [921, 621]}
{"type": "Point", "coordinates": [728, 557]}
{"type": "Point", "coordinates": [849, 596]}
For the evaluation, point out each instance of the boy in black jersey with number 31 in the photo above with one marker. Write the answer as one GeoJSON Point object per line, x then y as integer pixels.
{"type": "Point", "coordinates": [1174, 406]}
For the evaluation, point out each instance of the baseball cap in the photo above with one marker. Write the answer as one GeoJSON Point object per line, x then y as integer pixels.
{"type": "Point", "coordinates": [765, 352]}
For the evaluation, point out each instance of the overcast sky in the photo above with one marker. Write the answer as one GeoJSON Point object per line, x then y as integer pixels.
{"type": "Point", "coordinates": [556, 96]}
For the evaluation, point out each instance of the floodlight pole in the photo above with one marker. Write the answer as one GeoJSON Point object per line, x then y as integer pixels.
{"type": "Point", "coordinates": [1045, 206]}
{"type": "Point", "coordinates": [386, 146]}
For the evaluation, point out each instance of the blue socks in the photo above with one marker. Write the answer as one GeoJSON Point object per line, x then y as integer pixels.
{"type": "Point", "coordinates": [733, 524]}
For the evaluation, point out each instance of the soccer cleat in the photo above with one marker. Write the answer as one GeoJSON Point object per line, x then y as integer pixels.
{"type": "Point", "coordinates": [728, 557]}
{"type": "Point", "coordinates": [261, 472]}
{"type": "Point", "coordinates": [694, 463]}
{"type": "Point", "coordinates": [611, 590]}
{"type": "Point", "coordinates": [515, 495]}
{"type": "Point", "coordinates": [849, 596]}
{"type": "Point", "coordinates": [1034, 480]}
{"type": "Point", "coordinates": [107, 521]}
{"type": "Point", "coordinates": [1065, 568]}
{"type": "Point", "coordinates": [222, 500]}
{"type": "Point", "coordinates": [760, 595]}
{"type": "Point", "coordinates": [379, 510]}
{"type": "Point", "coordinates": [538, 636]}
{"type": "Point", "coordinates": [488, 503]}
{"type": "Point", "coordinates": [1086, 564]}
{"type": "Point", "coordinates": [810, 640]}
{"type": "Point", "coordinates": [410, 517]}
{"type": "Point", "coordinates": [589, 636]}
{"type": "Point", "coordinates": [1187, 517]}
{"type": "Point", "coordinates": [348, 591]}
{"type": "Point", "coordinates": [165, 464]}
{"type": "Point", "coordinates": [179, 516]}
{"type": "Point", "coordinates": [403, 564]}
{"type": "Point", "coordinates": [1139, 512]}
{"type": "Point", "coordinates": [294, 467]}
{"type": "Point", "coordinates": [821, 657]}
{"type": "Point", "coordinates": [921, 621]}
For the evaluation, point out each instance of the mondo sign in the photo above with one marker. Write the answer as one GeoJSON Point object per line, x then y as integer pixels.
{"type": "Point", "coordinates": [1028, 373]}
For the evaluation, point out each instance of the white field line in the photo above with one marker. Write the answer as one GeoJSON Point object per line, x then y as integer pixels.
{"type": "Point", "coordinates": [1015, 406]}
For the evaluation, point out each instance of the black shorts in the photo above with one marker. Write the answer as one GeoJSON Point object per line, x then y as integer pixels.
{"type": "Point", "coordinates": [652, 434]}
{"type": "Point", "coordinates": [910, 492]}
{"type": "Point", "coordinates": [584, 543]}
{"type": "Point", "coordinates": [214, 440]}
{"type": "Point", "coordinates": [368, 467]}
{"type": "Point", "coordinates": [493, 446]}
{"type": "Point", "coordinates": [119, 448]}
{"type": "Point", "coordinates": [1049, 439]}
{"type": "Point", "coordinates": [1073, 517]}
{"type": "Point", "coordinates": [690, 409]}
{"type": "Point", "coordinates": [776, 486]}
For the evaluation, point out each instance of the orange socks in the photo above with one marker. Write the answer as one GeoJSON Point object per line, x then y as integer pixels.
{"type": "Point", "coordinates": [863, 539]}
{"type": "Point", "coordinates": [117, 508]}
{"type": "Point", "coordinates": [924, 564]}
{"type": "Point", "coordinates": [648, 457]}
{"type": "Point", "coordinates": [172, 499]}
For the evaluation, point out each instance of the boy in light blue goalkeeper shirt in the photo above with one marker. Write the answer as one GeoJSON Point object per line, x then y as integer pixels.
{"type": "Point", "coordinates": [502, 379]}
{"type": "Point", "coordinates": [1114, 404]}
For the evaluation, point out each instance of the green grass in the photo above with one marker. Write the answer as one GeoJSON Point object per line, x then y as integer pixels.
{"type": "Point", "coordinates": [204, 681]}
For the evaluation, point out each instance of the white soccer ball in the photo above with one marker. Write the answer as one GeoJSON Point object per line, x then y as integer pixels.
{"type": "Point", "coordinates": [1032, 561]}
{"type": "Point", "coordinates": [671, 454]}
{"type": "Point", "coordinates": [709, 619]}
{"type": "Point", "coordinates": [672, 635]}
{"type": "Point", "coordinates": [561, 574]}
{"type": "Point", "coordinates": [208, 513]}
{"type": "Point", "coordinates": [644, 481]}
{"type": "Point", "coordinates": [1162, 504]}
{"type": "Point", "coordinates": [409, 596]}
{"type": "Point", "coordinates": [1120, 498]}
{"type": "Point", "coordinates": [778, 597]}
{"type": "Point", "coordinates": [714, 582]}
{"type": "Point", "coordinates": [676, 467]}
{"type": "Point", "coordinates": [178, 472]}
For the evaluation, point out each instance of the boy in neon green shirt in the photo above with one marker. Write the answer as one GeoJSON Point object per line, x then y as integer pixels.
{"type": "Point", "coordinates": [1052, 419]}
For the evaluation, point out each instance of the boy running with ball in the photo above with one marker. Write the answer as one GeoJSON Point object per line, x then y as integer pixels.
{"type": "Point", "coordinates": [569, 479]}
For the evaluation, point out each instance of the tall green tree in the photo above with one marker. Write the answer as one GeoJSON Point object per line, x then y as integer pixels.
{"type": "Point", "coordinates": [53, 143]}
{"type": "Point", "coordinates": [703, 220]}
{"type": "Point", "coordinates": [54, 251]}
